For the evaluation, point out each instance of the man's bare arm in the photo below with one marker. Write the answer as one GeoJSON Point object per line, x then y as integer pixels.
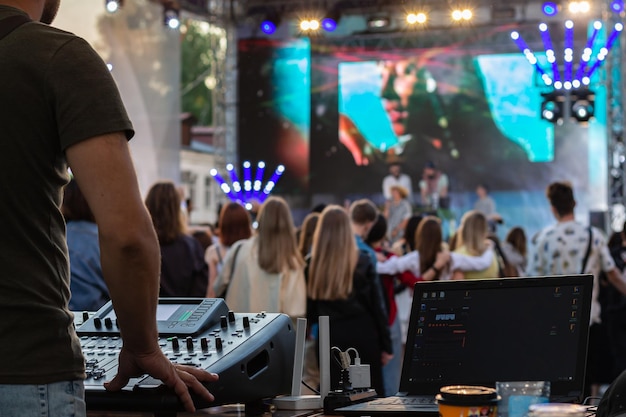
{"type": "Point", "coordinates": [103, 168]}
{"type": "Point", "coordinates": [130, 258]}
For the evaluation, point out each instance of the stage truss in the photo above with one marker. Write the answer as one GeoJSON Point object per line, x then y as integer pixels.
{"type": "Point", "coordinates": [231, 13]}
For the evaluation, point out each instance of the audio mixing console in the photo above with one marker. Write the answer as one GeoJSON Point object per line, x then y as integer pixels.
{"type": "Point", "coordinates": [253, 353]}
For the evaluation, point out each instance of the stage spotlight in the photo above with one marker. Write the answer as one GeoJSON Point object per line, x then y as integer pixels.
{"type": "Point", "coordinates": [617, 6]}
{"type": "Point", "coordinates": [331, 20]}
{"type": "Point", "coordinates": [552, 107]}
{"type": "Point", "coordinates": [171, 16]}
{"type": "Point", "coordinates": [576, 7]}
{"type": "Point", "coordinates": [112, 6]}
{"type": "Point", "coordinates": [309, 25]}
{"type": "Point", "coordinates": [462, 14]}
{"type": "Point", "coordinates": [268, 27]}
{"type": "Point", "coordinates": [329, 24]}
{"type": "Point", "coordinates": [416, 18]}
{"type": "Point", "coordinates": [550, 111]}
{"type": "Point", "coordinates": [582, 111]}
{"type": "Point", "coordinates": [583, 105]}
{"type": "Point", "coordinates": [378, 22]}
{"type": "Point", "coordinates": [550, 8]}
{"type": "Point", "coordinates": [270, 23]}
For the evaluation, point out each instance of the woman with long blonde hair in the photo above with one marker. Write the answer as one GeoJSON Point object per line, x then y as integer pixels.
{"type": "Point", "coordinates": [473, 241]}
{"type": "Point", "coordinates": [343, 284]}
{"type": "Point", "coordinates": [266, 271]}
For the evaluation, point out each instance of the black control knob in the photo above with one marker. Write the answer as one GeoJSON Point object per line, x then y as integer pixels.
{"type": "Point", "coordinates": [204, 344]}
{"type": "Point", "coordinates": [246, 322]}
{"type": "Point", "coordinates": [231, 316]}
{"type": "Point", "coordinates": [218, 344]}
{"type": "Point", "coordinates": [175, 344]}
{"type": "Point", "coordinates": [223, 322]}
{"type": "Point", "coordinates": [189, 343]}
{"type": "Point", "coordinates": [108, 323]}
{"type": "Point", "coordinates": [85, 316]}
{"type": "Point", "coordinates": [97, 322]}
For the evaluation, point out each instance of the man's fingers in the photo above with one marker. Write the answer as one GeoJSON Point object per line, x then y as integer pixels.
{"type": "Point", "coordinates": [182, 392]}
{"type": "Point", "coordinates": [189, 377]}
{"type": "Point", "coordinates": [194, 384]}
{"type": "Point", "coordinates": [199, 373]}
{"type": "Point", "coordinates": [117, 383]}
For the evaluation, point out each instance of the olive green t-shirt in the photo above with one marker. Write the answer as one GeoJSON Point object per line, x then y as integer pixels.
{"type": "Point", "coordinates": [56, 91]}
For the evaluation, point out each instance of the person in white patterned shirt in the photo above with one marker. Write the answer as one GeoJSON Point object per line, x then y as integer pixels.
{"type": "Point", "coordinates": [561, 249]}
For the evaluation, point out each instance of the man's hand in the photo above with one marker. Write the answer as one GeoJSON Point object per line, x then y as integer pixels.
{"type": "Point", "coordinates": [181, 378]}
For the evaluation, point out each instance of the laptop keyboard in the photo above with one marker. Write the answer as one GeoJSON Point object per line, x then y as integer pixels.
{"type": "Point", "coordinates": [404, 401]}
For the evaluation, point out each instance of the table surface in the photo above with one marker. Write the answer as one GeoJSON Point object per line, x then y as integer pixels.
{"type": "Point", "coordinates": [236, 410]}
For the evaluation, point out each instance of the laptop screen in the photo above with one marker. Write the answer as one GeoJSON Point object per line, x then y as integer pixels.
{"type": "Point", "coordinates": [513, 329]}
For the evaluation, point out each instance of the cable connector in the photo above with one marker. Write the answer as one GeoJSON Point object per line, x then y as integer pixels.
{"type": "Point", "coordinates": [353, 376]}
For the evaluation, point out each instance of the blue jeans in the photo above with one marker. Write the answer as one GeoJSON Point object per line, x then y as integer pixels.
{"type": "Point", "coordinates": [59, 399]}
{"type": "Point", "coordinates": [393, 369]}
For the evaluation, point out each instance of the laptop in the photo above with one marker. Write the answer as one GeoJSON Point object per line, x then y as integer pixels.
{"type": "Point", "coordinates": [477, 332]}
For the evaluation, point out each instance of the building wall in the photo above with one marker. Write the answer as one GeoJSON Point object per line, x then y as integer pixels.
{"type": "Point", "coordinates": [145, 59]}
{"type": "Point", "coordinates": [205, 194]}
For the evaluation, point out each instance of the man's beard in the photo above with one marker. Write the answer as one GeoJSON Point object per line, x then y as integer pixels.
{"type": "Point", "coordinates": [50, 9]}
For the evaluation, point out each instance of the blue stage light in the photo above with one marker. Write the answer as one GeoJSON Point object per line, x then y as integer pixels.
{"type": "Point", "coordinates": [268, 27]}
{"type": "Point", "coordinates": [617, 6]}
{"type": "Point", "coordinates": [550, 8]}
{"type": "Point", "coordinates": [329, 24]}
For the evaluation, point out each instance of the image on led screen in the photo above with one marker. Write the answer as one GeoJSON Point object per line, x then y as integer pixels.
{"type": "Point", "coordinates": [475, 117]}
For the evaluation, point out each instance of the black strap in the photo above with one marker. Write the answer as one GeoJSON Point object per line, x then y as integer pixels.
{"type": "Point", "coordinates": [582, 271]}
{"type": "Point", "coordinates": [11, 23]}
{"type": "Point", "coordinates": [233, 264]}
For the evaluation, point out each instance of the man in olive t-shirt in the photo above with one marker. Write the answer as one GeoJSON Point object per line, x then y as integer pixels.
{"type": "Point", "coordinates": [61, 107]}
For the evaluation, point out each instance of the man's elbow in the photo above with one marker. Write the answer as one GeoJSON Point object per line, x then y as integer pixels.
{"type": "Point", "coordinates": [133, 237]}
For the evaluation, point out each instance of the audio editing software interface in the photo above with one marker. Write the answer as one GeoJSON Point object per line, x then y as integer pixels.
{"type": "Point", "coordinates": [497, 334]}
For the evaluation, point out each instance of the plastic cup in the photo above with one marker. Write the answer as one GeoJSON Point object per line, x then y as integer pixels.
{"type": "Point", "coordinates": [518, 396]}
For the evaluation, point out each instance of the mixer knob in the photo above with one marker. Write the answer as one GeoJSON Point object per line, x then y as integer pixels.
{"type": "Point", "coordinates": [223, 322]}
{"type": "Point", "coordinates": [108, 323]}
{"type": "Point", "coordinates": [218, 344]}
{"type": "Point", "coordinates": [175, 344]}
{"type": "Point", "coordinates": [189, 342]}
{"type": "Point", "coordinates": [231, 316]}
{"type": "Point", "coordinates": [246, 322]}
{"type": "Point", "coordinates": [85, 316]}
{"type": "Point", "coordinates": [97, 322]}
{"type": "Point", "coordinates": [204, 344]}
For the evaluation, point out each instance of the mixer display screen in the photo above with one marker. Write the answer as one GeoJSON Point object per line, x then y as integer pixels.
{"type": "Point", "coordinates": [175, 312]}
{"type": "Point", "coordinates": [168, 312]}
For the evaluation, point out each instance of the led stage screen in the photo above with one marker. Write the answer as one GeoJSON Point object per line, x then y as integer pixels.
{"type": "Point", "coordinates": [337, 114]}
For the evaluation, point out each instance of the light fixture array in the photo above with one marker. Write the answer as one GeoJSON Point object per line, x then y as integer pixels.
{"type": "Point", "coordinates": [252, 190]}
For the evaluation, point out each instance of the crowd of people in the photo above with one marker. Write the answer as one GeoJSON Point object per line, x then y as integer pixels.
{"type": "Point", "coordinates": [343, 262]}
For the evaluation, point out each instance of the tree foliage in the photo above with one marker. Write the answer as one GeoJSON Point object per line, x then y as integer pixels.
{"type": "Point", "coordinates": [203, 53]}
